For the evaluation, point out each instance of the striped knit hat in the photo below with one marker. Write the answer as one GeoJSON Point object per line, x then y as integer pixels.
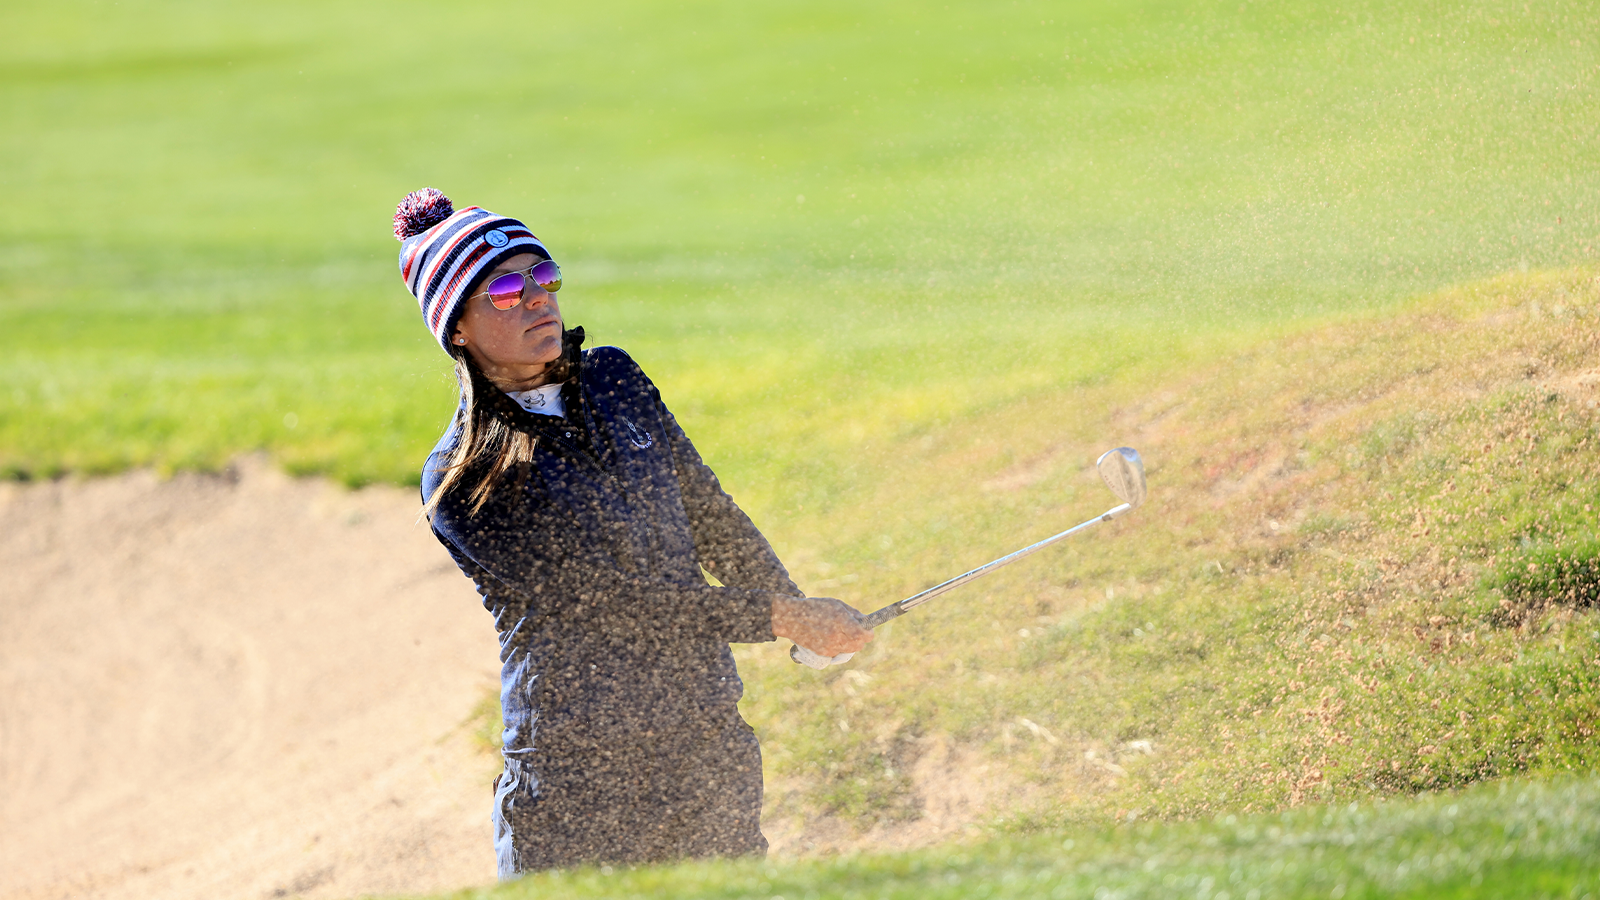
{"type": "Point", "coordinates": [443, 253]}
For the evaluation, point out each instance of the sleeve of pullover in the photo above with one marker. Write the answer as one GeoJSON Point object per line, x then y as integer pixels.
{"type": "Point", "coordinates": [724, 537]}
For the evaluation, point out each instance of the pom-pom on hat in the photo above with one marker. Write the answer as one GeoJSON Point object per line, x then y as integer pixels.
{"type": "Point", "coordinates": [443, 253]}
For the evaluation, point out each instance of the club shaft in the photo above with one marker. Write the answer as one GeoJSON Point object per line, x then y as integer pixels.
{"type": "Point", "coordinates": [894, 610]}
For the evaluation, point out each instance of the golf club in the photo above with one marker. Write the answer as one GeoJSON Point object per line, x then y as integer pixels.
{"type": "Point", "coordinates": [1123, 472]}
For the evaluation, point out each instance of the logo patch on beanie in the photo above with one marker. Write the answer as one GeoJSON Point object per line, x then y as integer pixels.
{"type": "Point", "coordinates": [497, 238]}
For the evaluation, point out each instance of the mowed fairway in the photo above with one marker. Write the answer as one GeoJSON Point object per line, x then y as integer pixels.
{"type": "Point", "coordinates": [818, 225]}
{"type": "Point", "coordinates": [902, 270]}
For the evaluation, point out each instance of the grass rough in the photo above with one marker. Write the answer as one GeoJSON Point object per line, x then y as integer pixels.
{"type": "Point", "coordinates": [1514, 839]}
{"type": "Point", "coordinates": [1305, 611]}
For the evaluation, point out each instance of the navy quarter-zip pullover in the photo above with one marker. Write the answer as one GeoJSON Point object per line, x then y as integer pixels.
{"type": "Point", "coordinates": [618, 686]}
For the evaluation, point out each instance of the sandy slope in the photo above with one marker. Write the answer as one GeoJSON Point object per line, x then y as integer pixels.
{"type": "Point", "coordinates": [242, 686]}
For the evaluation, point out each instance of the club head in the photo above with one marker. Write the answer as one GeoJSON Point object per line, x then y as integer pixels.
{"type": "Point", "coordinates": [1123, 472]}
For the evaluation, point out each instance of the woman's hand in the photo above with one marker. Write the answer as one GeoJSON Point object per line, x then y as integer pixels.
{"type": "Point", "coordinates": [820, 624]}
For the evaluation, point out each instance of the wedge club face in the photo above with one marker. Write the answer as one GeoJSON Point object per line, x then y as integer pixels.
{"type": "Point", "coordinates": [1123, 472]}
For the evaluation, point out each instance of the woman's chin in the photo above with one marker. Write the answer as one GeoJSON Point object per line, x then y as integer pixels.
{"type": "Point", "coordinates": [549, 353]}
{"type": "Point", "coordinates": [540, 348]}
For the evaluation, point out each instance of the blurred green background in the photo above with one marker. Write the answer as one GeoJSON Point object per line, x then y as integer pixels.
{"type": "Point", "coordinates": [820, 226]}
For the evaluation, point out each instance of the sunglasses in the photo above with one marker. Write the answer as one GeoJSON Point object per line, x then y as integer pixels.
{"type": "Point", "coordinates": [505, 292]}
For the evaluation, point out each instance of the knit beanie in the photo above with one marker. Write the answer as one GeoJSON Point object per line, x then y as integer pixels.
{"type": "Point", "coordinates": [443, 253]}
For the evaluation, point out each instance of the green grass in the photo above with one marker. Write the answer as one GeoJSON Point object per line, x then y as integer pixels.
{"type": "Point", "coordinates": [1512, 840]}
{"type": "Point", "coordinates": [998, 199]}
{"type": "Point", "coordinates": [1313, 606]}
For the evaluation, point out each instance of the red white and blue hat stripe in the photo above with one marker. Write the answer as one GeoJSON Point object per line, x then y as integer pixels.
{"type": "Point", "coordinates": [443, 253]}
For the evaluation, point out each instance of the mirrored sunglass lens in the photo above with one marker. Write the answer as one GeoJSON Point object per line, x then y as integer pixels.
{"type": "Point", "coordinates": [548, 275]}
{"type": "Point", "coordinates": [506, 291]}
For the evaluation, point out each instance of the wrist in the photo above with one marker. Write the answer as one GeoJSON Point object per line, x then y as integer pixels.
{"type": "Point", "coordinates": [784, 611]}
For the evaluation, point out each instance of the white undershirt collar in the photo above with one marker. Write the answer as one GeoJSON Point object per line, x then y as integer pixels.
{"type": "Point", "coordinates": [544, 400]}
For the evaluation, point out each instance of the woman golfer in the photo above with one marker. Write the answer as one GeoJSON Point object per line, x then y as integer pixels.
{"type": "Point", "coordinates": [567, 492]}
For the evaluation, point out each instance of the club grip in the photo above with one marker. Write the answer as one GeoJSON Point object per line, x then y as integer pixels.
{"type": "Point", "coordinates": [892, 611]}
{"type": "Point", "coordinates": [817, 661]}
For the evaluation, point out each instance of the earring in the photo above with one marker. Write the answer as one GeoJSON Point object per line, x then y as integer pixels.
{"type": "Point", "coordinates": [461, 340]}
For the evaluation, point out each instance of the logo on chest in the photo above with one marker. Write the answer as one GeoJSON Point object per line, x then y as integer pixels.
{"type": "Point", "coordinates": [636, 435]}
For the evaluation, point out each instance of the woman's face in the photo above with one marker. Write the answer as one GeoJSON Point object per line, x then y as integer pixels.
{"type": "Point", "coordinates": [512, 346]}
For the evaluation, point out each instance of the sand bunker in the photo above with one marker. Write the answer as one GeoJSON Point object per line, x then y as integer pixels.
{"type": "Point", "coordinates": [242, 686]}
{"type": "Point", "coordinates": [252, 686]}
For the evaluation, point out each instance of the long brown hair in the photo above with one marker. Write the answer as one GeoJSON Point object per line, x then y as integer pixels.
{"type": "Point", "coordinates": [490, 443]}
